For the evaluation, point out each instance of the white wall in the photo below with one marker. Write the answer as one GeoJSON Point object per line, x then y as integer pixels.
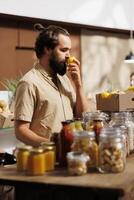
{"type": "Point", "coordinates": [104, 13]}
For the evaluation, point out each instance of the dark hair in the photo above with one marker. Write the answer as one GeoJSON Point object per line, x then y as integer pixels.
{"type": "Point", "coordinates": [48, 38]}
{"type": "Point", "coordinates": [132, 74]}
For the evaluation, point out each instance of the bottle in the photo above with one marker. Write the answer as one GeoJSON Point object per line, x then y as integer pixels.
{"type": "Point", "coordinates": [36, 164]}
{"type": "Point", "coordinates": [22, 153]}
{"type": "Point", "coordinates": [112, 157]}
{"type": "Point", "coordinates": [66, 140]}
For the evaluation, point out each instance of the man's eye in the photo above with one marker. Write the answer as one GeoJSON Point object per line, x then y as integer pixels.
{"type": "Point", "coordinates": [63, 50]}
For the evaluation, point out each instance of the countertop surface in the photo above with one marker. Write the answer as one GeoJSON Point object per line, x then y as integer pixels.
{"type": "Point", "coordinates": [121, 181]}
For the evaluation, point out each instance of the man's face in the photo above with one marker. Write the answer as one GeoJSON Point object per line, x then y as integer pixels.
{"type": "Point", "coordinates": [59, 55]}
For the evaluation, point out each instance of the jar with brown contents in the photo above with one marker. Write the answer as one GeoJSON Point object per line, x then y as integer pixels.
{"type": "Point", "coordinates": [112, 157]}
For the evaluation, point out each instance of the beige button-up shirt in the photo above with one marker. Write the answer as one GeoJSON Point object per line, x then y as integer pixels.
{"type": "Point", "coordinates": [42, 103]}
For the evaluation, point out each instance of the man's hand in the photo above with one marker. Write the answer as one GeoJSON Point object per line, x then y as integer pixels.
{"type": "Point", "coordinates": [73, 69]}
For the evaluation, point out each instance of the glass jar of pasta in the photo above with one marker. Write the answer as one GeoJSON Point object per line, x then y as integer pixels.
{"type": "Point", "coordinates": [112, 157]}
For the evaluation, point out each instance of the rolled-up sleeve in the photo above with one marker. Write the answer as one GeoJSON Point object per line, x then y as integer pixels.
{"type": "Point", "coordinates": [24, 102]}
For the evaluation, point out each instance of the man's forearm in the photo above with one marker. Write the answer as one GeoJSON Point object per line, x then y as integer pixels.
{"type": "Point", "coordinates": [27, 136]}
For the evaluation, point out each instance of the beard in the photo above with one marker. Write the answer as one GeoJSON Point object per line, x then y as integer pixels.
{"type": "Point", "coordinates": [58, 67]}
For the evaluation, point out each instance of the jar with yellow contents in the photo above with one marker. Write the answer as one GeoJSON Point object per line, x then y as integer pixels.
{"type": "Point", "coordinates": [49, 155]}
{"type": "Point", "coordinates": [36, 164]}
{"type": "Point", "coordinates": [22, 153]}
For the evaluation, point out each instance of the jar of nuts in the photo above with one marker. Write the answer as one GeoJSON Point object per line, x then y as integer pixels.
{"type": "Point", "coordinates": [77, 163]}
{"type": "Point", "coordinates": [112, 157]}
{"type": "Point", "coordinates": [84, 141]}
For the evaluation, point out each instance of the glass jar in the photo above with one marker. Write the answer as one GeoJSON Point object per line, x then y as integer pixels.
{"type": "Point", "coordinates": [78, 124]}
{"type": "Point", "coordinates": [22, 153]}
{"type": "Point", "coordinates": [36, 164]}
{"type": "Point", "coordinates": [125, 122]}
{"type": "Point", "coordinates": [112, 157]}
{"type": "Point", "coordinates": [66, 140]}
{"type": "Point", "coordinates": [130, 130]}
{"type": "Point", "coordinates": [77, 163]}
{"type": "Point", "coordinates": [95, 121]}
{"type": "Point", "coordinates": [84, 141]}
{"type": "Point", "coordinates": [49, 155]}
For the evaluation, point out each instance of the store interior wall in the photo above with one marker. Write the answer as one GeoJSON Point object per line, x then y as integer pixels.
{"type": "Point", "coordinates": [101, 54]}
{"type": "Point", "coordinates": [103, 66]}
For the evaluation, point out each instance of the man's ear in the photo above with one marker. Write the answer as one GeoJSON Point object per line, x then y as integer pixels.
{"type": "Point", "coordinates": [47, 51]}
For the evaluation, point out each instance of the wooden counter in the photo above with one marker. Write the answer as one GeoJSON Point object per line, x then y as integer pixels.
{"type": "Point", "coordinates": [58, 184]}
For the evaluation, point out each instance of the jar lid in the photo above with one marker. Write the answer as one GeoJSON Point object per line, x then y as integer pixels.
{"type": "Point", "coordinates": [84, 134]}
{"type": "Point", "coordinates": [48, 148]}
{"type": "Point", "coordinates": [78, 156]}
{"type": "Point", "coordinates": [67, 122]}
{"type": "Point", "coordinates": [37, 150]}
{"type": "Point", "coordinates": [47, 144]}
{"type": "Point", "coordinates": [24, 147]}
{"type": "Point", "coordinates": [111, 133]}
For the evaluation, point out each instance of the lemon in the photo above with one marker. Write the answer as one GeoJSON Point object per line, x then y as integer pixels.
{"type": "Point", "coordinates": [105, 94]}
{"type": "Point", "coordinates": [70, 59]}
{"type": "Point", "coordinates": [131, 88]}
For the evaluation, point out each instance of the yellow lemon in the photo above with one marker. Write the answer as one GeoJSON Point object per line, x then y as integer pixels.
{"type": "Point", "coordinates": [131, 88]}
{"type": "Point", "coordinates": [105, 94]}
{"type": "Point", "coordinates": [70, 59]}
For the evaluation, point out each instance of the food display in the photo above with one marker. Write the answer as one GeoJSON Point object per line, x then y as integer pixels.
{"type": "Point", "coordinates": [77, 163]}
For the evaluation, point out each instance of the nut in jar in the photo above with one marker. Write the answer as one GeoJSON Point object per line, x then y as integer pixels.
{"type": "Point", "coordinates": [84, 141]}
{"type": "Point", "coordinates": [77, 163]}
{"type": "Point", "coordinates": [112, 156]}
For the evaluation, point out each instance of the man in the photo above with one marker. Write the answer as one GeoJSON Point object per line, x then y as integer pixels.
{"type": "Point", "coordinates": [45, 96]}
